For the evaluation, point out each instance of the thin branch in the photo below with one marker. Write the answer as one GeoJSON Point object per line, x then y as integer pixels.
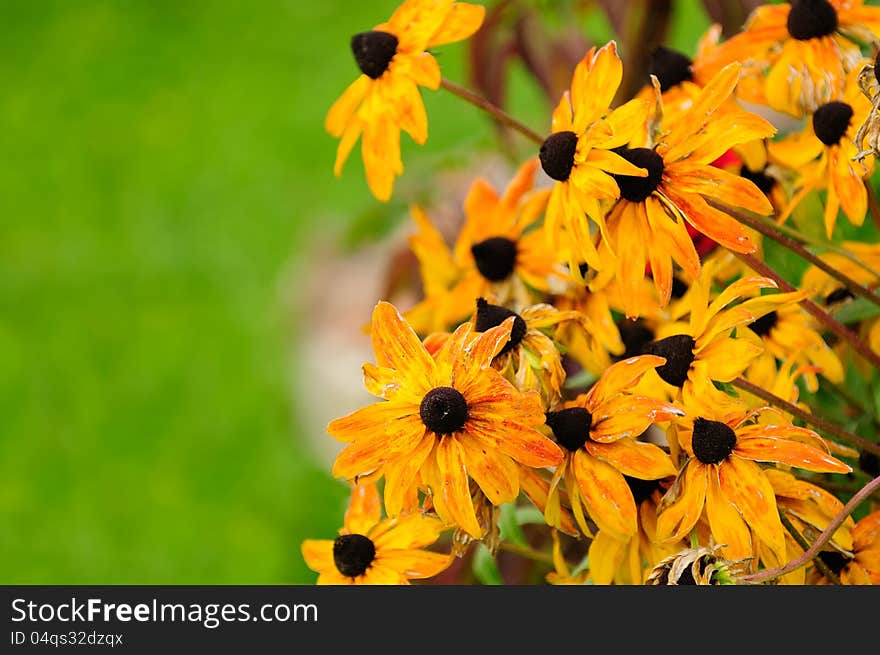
{"type": "Point", "coordinates": [769, 574]}
{"type": "Point", "coordinates": [525, 551]}
{"type": "Point", "coordinates": [499, 114]}
{"type": "Point", "coordinates": [830, 575]}
{"type": "Point", "coordinates": [817, 312]}
{"type": "Point", "coordinates": [821, 424]}
{"type": "Point", "coordinates": [772, 233]}
{"type": "Point", "coordinates": [873, 205]}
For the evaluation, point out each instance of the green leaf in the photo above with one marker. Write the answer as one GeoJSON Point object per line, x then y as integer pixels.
{"type": "Point", "coordinates": [509, 525]}
{"type": "Point", "coordinates": [485, 567]}
{"type": "Point", "coordinates": [529, 514]}
{"type": "Point", "coordinates": [858, 309]}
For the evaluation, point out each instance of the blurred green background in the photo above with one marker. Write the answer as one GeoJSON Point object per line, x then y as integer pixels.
{"type": "Point", "coordinates": [165, 171]}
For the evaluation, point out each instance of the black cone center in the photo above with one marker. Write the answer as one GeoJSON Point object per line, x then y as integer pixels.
{"type": "Point", "coordinates": [713, 441]}
{"type": "Point", "coordinates": [489, 316]}
{"type": "Point", "coordinates": [838, 295]}
{"type": "Point", "coordinates": [833, 560]}
{"type": "Point", "coordinates": [763, 325]}
{"type": "Point", "coordinates": [641, 489]}
{"type": "Point", "coordinates": [831, 120]}
{"type": "Point", "coordinates": [495, 258]}
{"type": "Point", "coordinates": [869, 463]}
{"type": "Point", "coordinates": [373, 52]}
{"type": "Point", "coordinates": [679, 353]}
{"type": "Point", "coordinates": [635, 336]}
{"type": "Point", "coordinates": [571, 426]}
{"type": "Point", "coordinates": [557, 155]}
{"type": "Point", "coordinates": [636, 189]}
{"type": "Point", "coordinates": [810, 19]}
{"type": "Point", "coordinates": [443, 410]}
{"type": "Point", "coordinates": [670, 67]}
{"type": "Point", "coordinates": [353, 554]}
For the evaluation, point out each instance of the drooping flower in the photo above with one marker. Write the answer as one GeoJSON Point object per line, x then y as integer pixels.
{"type": "Point", "coordinates": [647, 225]}
{"type": "Point", "coordinates": [444, 420]}
{"type": "Point", "coordinates": [579, 156]}
{"type": "Point", "coordinates": [805, 47]}
{"type": "Point", "coordinates": [501, 251]}
{"type": "Point", "coordinates": [394, 62]}
{"type": "Point", "coordinates": [722, 479]}
{"type": "Point", "coordinates": [822, 156]}
{"type": "Point", "coordinates": [371, 550]}
{"type": "Point", "coordinates": [598, 431]}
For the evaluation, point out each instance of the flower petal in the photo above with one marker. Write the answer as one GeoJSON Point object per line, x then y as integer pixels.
{"type": "Point", "coordinates": [414, 563]}
{"type": "Point", "coordinates": [397, 346]}
{"type": "Point", "coordinates": [634, 458]}
{"type": "Point", "coordinates": [619, 376]}
{"type": "Point", "coordinates": [364, 508]}
{"type": "Point", "coordinates": [606, 495]}
{"type": "Point", "coordinates": [367, 454]}
{"type": "Point", "coordinates": [454, 487]}
{"type": "Point", "coordinates": [318, 554]}
{"type": "Point", "coordinates": [407, 531]}
{"type": "Point", "coordinates": [401, 473]}
{"type": "Point", "coordinates": [524, 444]}
{"type": "Point", "coordinates": [786, 451]}
{"type": "Point", "coordinates": [682, 505]}
{"type": "Point", "coordinates": [728, 527]}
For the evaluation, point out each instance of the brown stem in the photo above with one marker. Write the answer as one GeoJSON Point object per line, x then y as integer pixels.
{"type": "Point", "coordinates": [783, 240]}
{"type": "Point", "coordinates": [821, 424]}
{"type": "Point", "coordinates": [873, 205]}
{"type": "Point", "coordinates": [825, 537]}
{"type": "Point", "coordinates": [499, 114]}
{"type": "Point", "coordinates": [817, 312]}
{"type": "Point", "coordinates": [830, 575]}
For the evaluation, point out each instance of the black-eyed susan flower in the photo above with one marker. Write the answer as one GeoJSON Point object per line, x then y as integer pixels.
{"type": "Point", "coordinates": [579, 156]}
{"type": "Point", "coordinates": [790, 333]}
{"type": "Point", "coordinates": [806, 47]}
{"type": "Point", "coordinates": [394, 62]}
{"type": "Point", "coordinates": [444, 420]}
{"type": "Point", "coordinates": [627, 561]}
{"type": "Point", "coordinates": [823, 154]}
{"type": "Point", "coordinates": [647, 225]}
{"type": "Point", "coordinates": [371, 550]}
{"type": "Point", "coordinates": [722, 478]}
{"type": "Point", "coordinates": [501, 251]}
{"type": "Point", "coordinates": [810, 509]}
{"type": "Point", "coordinates": [705, 347]}
{"type": "Point", "coordinates": [861, 566]}
{"type": "Point", "coordinates": [598, 431]}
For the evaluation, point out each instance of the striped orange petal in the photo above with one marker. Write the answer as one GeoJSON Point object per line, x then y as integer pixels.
{"type": "Point", "coordinates": [606, 495]}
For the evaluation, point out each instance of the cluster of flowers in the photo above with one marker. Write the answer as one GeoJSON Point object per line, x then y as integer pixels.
{"type": "Point", "coordinates": [604, 340]}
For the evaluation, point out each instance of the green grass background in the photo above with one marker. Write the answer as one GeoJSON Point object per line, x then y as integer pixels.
{"type": "Point", "coordinates": [164, 169]}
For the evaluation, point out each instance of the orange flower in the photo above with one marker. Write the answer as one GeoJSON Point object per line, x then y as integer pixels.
{"type": "Point", "coordinates": [722, 478]}
{"type": "Point", "coordinates": [862, 565]}
{"type": "Point", "coordinates": [394, 63]}
{"type": "Point", "coordinates": [598, 431]}
{"type": "Point", "coordinates": [444, 420]}
{"type": "Point", "coordinates": [805, 47]}
{"type": "Point", "coordinates": [647, 226]}
{"type": "Point", "coordinates": [373, 551]}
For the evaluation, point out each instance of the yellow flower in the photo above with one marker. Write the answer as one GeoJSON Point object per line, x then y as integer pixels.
{"type": "Point", "coordinates": [598, 431]}
{"type": "Point", "coordinates": [722, 478]}
{"type": "Point", "coordinates": [822, 155]}
{"type": "Point", "coordinates": [627, 561]}
{"type": "Point", "coordinates": [445, 419]}
{"type": "Point", "coordinates": [647, 225]}
{"type": "Point", "coordinates": [862, 565]}
{"type": "Point", "coordinates": [578, 154]}
{"type": "Point", "coordinates": [806, 48]}
{"type": "Point", "coordinates": [385, 99]}
{"type": "Point", "coordinates": [500, 251]}
{"type": "Point", "coordinates": [373, 551]}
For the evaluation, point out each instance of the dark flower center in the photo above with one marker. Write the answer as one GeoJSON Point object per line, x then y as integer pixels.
{"type": "Point", "coordinates": [557, 155]}
{"type": "Point", "coordinates": [763, 325]}
{"type": "Point", "coordinates": [810, 19]}
{"type": "Point", "coordinates": [679, 353]}
{"type": "Point", "coordinates": [495, 258]}
{"type": "Point", "coordinates": [353, 554]}
{"type": "Point", "coordinates": [444, 410]}
{"type": "Point", "coordinates": [641, 489]}
{"type": "Point", "coordinates": [759, 178]}
{"type": "Point", "coordinates": [571, 427]}
{"type": "Point", "coordinates": [679, 288]}
{"type": "Point", "coordinates": [869, 463]}
{"type": "Point", "coordinates": [713, 441]}
{"type": "Point", "coordinates": [831, 120]}
{"type": "Point", "coordinates": [636, 189]}
{"type": "Point", "coordinates": [373, 51]}
{"type": "Point", "coordinates": [877, 66]}
{"type": "Point", "coordinates": [670, 67]}
{"type": "Point", "coordinates": [635, 336]}
{"type": "Point", "coordinates": [838, 295]}
{"type": "Point", "coordinates": [489, 316]}
{"type": "Point", "coordinates": [834, 560]}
